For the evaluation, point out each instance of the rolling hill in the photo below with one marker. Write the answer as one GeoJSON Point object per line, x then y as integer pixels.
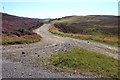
{"type": "Point", "coordinates": [99, 28]}
{"type": "Point", "coordinates": [19, 30]}
{"type": "Point", "coordinates": [11, 24]}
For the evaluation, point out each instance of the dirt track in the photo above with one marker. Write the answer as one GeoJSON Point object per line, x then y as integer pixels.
{"type": "Point", "coordinates": [13, 64]}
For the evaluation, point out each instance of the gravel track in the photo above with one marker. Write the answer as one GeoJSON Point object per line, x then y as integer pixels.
{"type": "Point", "coordinates": [13, 61]}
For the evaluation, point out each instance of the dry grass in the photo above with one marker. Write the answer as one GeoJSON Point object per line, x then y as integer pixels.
{"type": "Point", "coordinates": [12, 39]}
{"type": "Point", "coordinates": [112, 40]}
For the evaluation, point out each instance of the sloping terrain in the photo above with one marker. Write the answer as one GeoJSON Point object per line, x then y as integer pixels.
{"type": "Point", "coordinates": [11, 24]}
{"type": "Point", "coordinates": [82, 23]}
{"type": "Point", "coordinates": [18, 30]}
{"type": "Point", "coordinates": [26, 56]}
{"type": "Point", "coordinates": [97, 28]}
{"type": "Point", "coordinates": [31, 60]}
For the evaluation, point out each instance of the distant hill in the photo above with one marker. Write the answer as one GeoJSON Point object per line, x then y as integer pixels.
{"type": "Point", "coordinates": [79, 24]}
{"type": "Point", "coordinates": [101, 28]}
{"type": "Point", "coordinates": [38, 19]}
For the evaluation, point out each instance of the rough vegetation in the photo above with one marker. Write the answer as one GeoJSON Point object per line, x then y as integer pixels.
{"type": "Point", "coordinates": [9, 40]}
{"type": "Point", "coordinates": [19, 30]}
{"type": "Point", "coordinates": [96, 28]}
{"type": "Point", "coordinates": [86, 62]}
{"type": "Point", "coordinates": [30, 57]}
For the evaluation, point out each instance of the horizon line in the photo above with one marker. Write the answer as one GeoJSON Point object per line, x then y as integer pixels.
{"type": "Point", "coordinates": [62, 16]}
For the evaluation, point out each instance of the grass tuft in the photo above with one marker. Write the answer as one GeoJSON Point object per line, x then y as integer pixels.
{"type": "Point", "coordinates": [87, 62]}
{"type": "Point", "coordinates": [10, 40]}
{"type": "Point", "coordinates": [111, 40]}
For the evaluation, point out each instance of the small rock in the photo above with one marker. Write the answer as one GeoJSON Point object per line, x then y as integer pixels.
{"type": "Point", "coordinates": [88, 41]}
{"type": "Point", "coordinates": [30, 74]}
{"type": "Point", "coordinates": [23, 52]}
{"type": "Point", "coordinates": [8, 75]}
{"type": "Point", "coordinates": [38, 55]}
{"type": "Point", "coordinates": [65, 50]}
{"type": "Point", "coordinates": [22, 73]}
{"type": "Point", "coordinates": [75, 71]}
{"type": "Point", "coordinates": [14, 67]}
{"type": "Point", "coordinates": [35, 53]}
{"type": "Point", "coordinates": [56, 45]}
{"type": "Point", "coordinates": [56, 50]}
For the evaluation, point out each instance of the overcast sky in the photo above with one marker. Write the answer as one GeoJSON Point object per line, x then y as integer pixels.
{"type": "Point", "coordinates": [55, 9]}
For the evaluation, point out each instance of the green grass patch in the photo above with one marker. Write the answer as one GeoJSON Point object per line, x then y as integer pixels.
{"type": "Point", "coordinates": [78, 19]}
{"type": "Point", "coordinates": [87, 62]}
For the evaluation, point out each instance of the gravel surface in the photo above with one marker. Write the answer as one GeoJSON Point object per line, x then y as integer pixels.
{"type": "Point", "coordinates": [16, 57]}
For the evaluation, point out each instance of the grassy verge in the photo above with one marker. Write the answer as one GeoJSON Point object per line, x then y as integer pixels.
{"type": "Point", "coordinates": [10, 40]}
{"type": "Point", "coordinates": [86, 62]}
{"type": "Point", "coordinates": [112, 40]}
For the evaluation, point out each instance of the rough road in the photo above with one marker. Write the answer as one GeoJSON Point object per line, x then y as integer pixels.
{"type": "Point", "coordinates": [14, 62]}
